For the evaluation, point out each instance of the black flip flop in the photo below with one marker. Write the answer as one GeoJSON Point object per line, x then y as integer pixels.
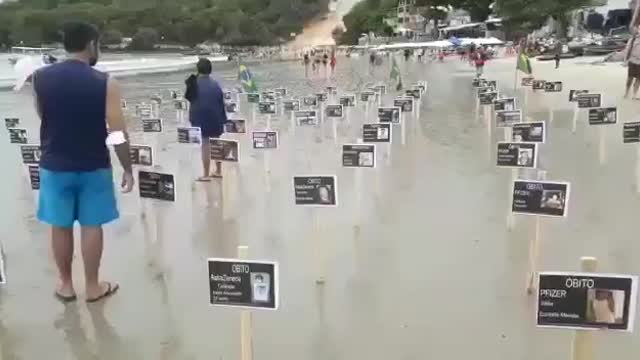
{"type": "Point", "coordinates": [203, 179]}
{"type": "Point", "coordinates": [65, 299]}
{"type": "Point", "coordinates": [216, 176]}
{"type": "Point", "coordinates": [110, 291]}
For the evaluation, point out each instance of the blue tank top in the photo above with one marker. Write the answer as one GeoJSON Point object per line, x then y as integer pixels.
{"type": "Point", "coordinates": [207, 111]}
{"type": "Point", "coordinates": [72, 97]}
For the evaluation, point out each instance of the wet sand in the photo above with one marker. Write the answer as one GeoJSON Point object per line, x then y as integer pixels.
{"type": "Point", "coordinates": [433, 271]}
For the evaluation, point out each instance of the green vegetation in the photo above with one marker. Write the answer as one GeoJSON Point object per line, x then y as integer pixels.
{"type": "Point", "coordinates": [367, 16]}
{"type": "Point", "coordinates": [525, 15]}
{"type": "Point", "coordinates": [189, 22]}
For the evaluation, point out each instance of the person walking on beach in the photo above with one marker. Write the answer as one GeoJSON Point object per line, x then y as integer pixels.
{"type": "Point", "coordinates": [76, 182]}
{"type": "Point", "coordinates": [479, 61]}
{"type": "Point", "coordinates": [633, 62]}
{"type": "Point", "coordinates": [207, 112]}
{"type": "Point", "coordinates": [333, 62]}
{"type": "Point", "coordinates": [558, 52]}
{"type": "Point", "coordinates": [306, 60]}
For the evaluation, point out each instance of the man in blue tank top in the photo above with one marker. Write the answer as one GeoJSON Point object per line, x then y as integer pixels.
{"type": "Point", "coordinates": [76, 104]}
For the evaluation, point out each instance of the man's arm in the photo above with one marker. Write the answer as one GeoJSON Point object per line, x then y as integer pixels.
{"type": "Point", "coordinates": [115, 121]}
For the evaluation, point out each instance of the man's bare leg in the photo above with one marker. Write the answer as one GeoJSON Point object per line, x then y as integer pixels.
{"type": "Point", "coordinates": [62, 247]}
{"type": "Point", "coordinates": [628, 88]}
{"type": "Point", "coordinates": [206, 159]}
{"type": "Point", "coordinates": [636, 86]}
{"type": "Point", "coordinates": [218, 172]}
{"type": "Point", "coordinates": [92, 245]}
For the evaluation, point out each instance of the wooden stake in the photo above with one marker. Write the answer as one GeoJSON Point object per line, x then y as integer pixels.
{"type": "Point", "coordinates": [638, 169]}
{"type": "Point", "coordinates": [335, 130]}
{"type": "Point", "coordinates": [246, 321]}
{"type": "Point", "coordinates": [404, 131]}
{"type": "Point", "coordinates": [534, 246]}
{"type": "Point", "coordinates": [582, 344]}
{"type": "Point", "coordinates": [576, 114]}
{"type": "Point", "coordinates": [602, 146]}
{"type": "Point", "coordinates": [319, 247]}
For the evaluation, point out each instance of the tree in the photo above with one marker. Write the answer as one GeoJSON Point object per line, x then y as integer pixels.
{"type": "Point", "coordinates": [528, 15]}
{"type": "Point", "coordinates": [145, 39]}
{"type": "Point", "coordinates": [111, 37]}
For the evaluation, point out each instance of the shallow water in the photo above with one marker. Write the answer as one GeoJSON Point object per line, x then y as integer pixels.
{"type": "Point", "coordinates": [430, 272]}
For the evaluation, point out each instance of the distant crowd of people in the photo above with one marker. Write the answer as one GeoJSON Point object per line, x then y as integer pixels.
{"type": "Point", "coordinates": [319, 59]}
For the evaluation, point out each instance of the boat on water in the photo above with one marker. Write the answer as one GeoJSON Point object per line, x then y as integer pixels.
{"type": "Point", "coordinates": [18, 52]}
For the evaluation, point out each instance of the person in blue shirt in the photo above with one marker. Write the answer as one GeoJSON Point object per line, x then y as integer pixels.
{"type": "Point", "coordinates": [207, 112]}
{"type": "Point", "coordinates": [76, 104]}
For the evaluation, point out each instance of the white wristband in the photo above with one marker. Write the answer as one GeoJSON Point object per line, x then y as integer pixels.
{"type": "Point", "coordinates": [116, 138]}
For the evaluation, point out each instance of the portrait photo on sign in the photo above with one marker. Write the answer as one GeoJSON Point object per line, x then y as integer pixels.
{"type": "Point", "coordinates": [265, 139]}
{"type": "Point", "coordinates": [310, 101]}
{"type": "Point", "coordinates": [605, 306]}
{"type": "Point", "coordinates": [529, 132]}
{"type": "Point", "coordinates": [553, 199]}
{"type": "Point", "coordinates": [157, 186]}
{"type": "Point", "coordinates": [235, 126]}
{"type": "Point", "coordinates": [224, 150]}
{"type": "Point", "coordinates": [267, 107]}
{"type": "Point", "coordinates": [539, 84]}
{"type": "Point", "coordinates": [17, 136]}
{"type": "Point", "coordinates": [553, 86]}
{"type": "Point", "coordinates": [230, 107]}
{"type": "Point", "coordinates": [335, 111]}
{"type": "Point", "coordinates": [508, 118]}
{"type": "Point", "coordinates": [141, 155]}
{"type": "Point", "coordinates": [525, 157]}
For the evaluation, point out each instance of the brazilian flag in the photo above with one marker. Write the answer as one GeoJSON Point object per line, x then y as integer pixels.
{"type": "Point", "coordinates": [524, 64]}
{"type": "Point", "coordinates": [246, 79]}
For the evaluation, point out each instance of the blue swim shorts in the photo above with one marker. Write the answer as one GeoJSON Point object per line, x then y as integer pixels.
{"type": "Point", "coordinates": [67, 196]}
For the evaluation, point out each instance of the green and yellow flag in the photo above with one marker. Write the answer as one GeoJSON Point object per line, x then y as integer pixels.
{"type": "Point", "coordinates": [524, 64]}
{"type": "Point", "coordinates": [395, 73]}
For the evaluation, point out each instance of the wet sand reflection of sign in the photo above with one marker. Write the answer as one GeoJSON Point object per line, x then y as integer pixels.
{"type": "Point", "coordinates": [376, 133]}
{"type": "Point", "coordinates": [243, 283]}
{"type": "Point", "coordinates": [231, 107]}
{"type": "Point", "coordinates": [603, 116]}
{"type": "Point", "coordinates": [267, 108]}
{"type": "Point", "coordinates": [156, 186]}
{"type": "Point", "coordinates": [189, 135]}
{"type": "Point", "coordinates": [631, 132]}
{"type": "Point", "coordinates": [315, 190]}
{"type": "Point", "coordinates": [553, 86]}
{"type": "Point", "coordinates": [17, 135]}
{"type": "Point", "coordinates": [507, 104]}
{"type": "Point", "coordinates": [253, 98]}
{"type": "Point", "coordinates": [529, 132]}
{"type": "Point", "coordinates": [586, 301]}
{"type": "Point", "coordinates": [265, 139]}
{"type": "Point", "coordinates": [151, 125]}
{"type": "Point", "coordinates": [310, 101]}
{"type": "Point", "coordinates": [306, 117]}
{"type": "Point", "coordinates": [539, 84]}
{"type": "Point", "coordinates": [224, 150]}
{"type": "Point", "coordinates": [487, 98]}
{"type": "Point", "coordinates": [235, 126]}
{"type": "Point", "coordinates": [406, 104]}
{"type": "Point", "coordinates": [291, 105]}
{"type": "Point", "coordinates": [34, 177]}
{"type": "Point", "coordinates": [517, 155]}
{"type": "Point", "coordinates": [389, 115]}
{"type": "Point", "coordinates": [574, 94]}
{"type": "Point", "coordinates": [540, 198]}
{"type": "Point", "coordinates": [586, 101]}
{"type": "Point", "coordinates": [30, 154]}
{"type": "Point", "coordinates": [508, 118]}
{"type": "Point", "coordinates": [358, 155]}
{"type": "Point", "coordinates": [11, 122]}
{"type": "Point", "coordinates": [141, 155]}
{"type": "Point", "coordinates": [334, 111]}
{"type": "Point", "coordinates": [348, 101]}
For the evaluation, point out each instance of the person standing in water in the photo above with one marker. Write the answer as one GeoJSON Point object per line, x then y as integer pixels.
{"type": "Point", "coordinates": [76, 104]}
{"type": "Point", "coordinates": [306, 60]}
{"type": "Point", "coordinates": [207, 112]}
{"type": "Point", "coordinates": [333, 62]}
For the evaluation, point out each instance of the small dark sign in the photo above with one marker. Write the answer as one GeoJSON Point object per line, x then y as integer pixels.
{"type": "Point", "coordinates": [508, 104]}
{"type": "Point", "coordinates": [11, 122]}
{"type": "Point", "coordinates": [539, 84]}
{"type": "Point", "coordinates": [281, 92]}
{"type": "Point", "coordinates": [603, 116]}
{"type": "Point", "coordinates": [492, 84]}
{"type": "Point", "coordinates": [311, 101]}
{"type": "Point", "coordinates": [180, 105]}
{"type": "Point", "coordinates": [586, 101]}
{"type": "Point", "coordinates": [517, 155]}
{"type": "Point", "coordinates": [17, 135]}
{"type": "Point", "coordinates": [268, 96]}
{"type": "Point", "coordinates": [235, 126]}
{"type": "Point", "coordinates": [30, 154]}
{"type": "Point", "coordinates": [389, 115]}
{"type": "Point", "coordinates": [34, 178]}
{"type": "Point", "coordinates": [322, 97]}
{"type": "Point", "coordinates": [414, 93]}
{"type": "Point", "coordinates": [141, 155]}
{"type": "Point", "coordinates": [306, 117]}
{"type": "Point", "coordinates": [291, 105]}
{"type": "Point", "coordinates": [366, 96]}
{"type": "Point", "coordinates": [230, 107]}
{"type": "Point", "coordinates": [553, 86]}
{"type": "Point", "coordinates": [527, 81]}
{"type": "Point", "coordinates": [224, 150]}
{"type": "Point", "coordinates": [315, 190]}
{"type": "Point", "coordinates": [529, 132]}
{"type": "Point", "coordinates": [485, 89]}
{"type": "Point", "coordinates": [508, 118]}
{"type": "Point", "coordinates": [334, 111]}
{"type": "Point", "coordinates": [151, 125]}
{"type": "Point", "coordinates": [376, 133]}
{"type": "Point", "coordinates": [265, 139]}
{"type": "Point", "coordinates": [479, 82]}
{"type": "Point", "coordinates": [331, 90]}
{"type": "Point", "coordinates": [253, 98]}
{"type": "Point", "coordinates": [540, 198]}
{"type": "Point", "coordinates": [268, 108]}
{"type": "Point", "coordinates": [586, 300]}
{"type": "Point", "coordinates": [359, 155]}
{"type": "Point", "coordinates": [348, 101]}
{"type": "Point", "coordinates": [243, 283]}
{"type": "Point", "coordinates": [228, 95]}
{"type": "Point", "coordinates": [189, 135]}
{"type": "Point", "coordinates": [574, 94]}
{"type": "Point", "coordinates": [158, 186]}
{"type": "Point", "coordinates": [405, 104]}
{"type": "Point", "coordinates": [488, 98]}
{"type": "Point", "coordinates": [631, 132]}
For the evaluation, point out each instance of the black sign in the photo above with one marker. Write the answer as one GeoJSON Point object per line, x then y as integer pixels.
{"type": "Point", "coordinates": [586, 300]}
{"type": "Point", "coordinates": [141, 155]}
{"type": "Point", "coordinates": [11, 122]}
{"type": "Point", "coordinates": [315, 190]}
{"type": "Point", "coordinates": [527, 81]}
{"type": "Point", "coordinates": [414, 93]}
{"type": "Point", "coordinates": [291, 105]}
{"type": "Point", "coordinates": [508, 104]}
{"type": "Point", "coordinates": [488, 98]}
{"type": "Point", "coordinates": [376, 133]}
{"type": "Point", "coordinates": [359, 156]}
{"type": "Point", "coordinates": [322, 97]}
{"type": "Point", "coordinates": [508, 118]}
{"type": "Point", "coordinates": [242, 283]}
{"type": "Point", "coordinates": [253, 98]}
{"type": "Point", "coordinates": [529, 132]}
{"type": "Point", "coordinates": [485, 89]}
{"type": "Point", "coordinates": [389, 115]}
{"type": "Point", "coordinates": [553, 86]}
{"type": "Point", "coordinates": [30, 154]}
{"type": "Point", "coordinates": [334, 111]}
{"type": "Point", "coordinates": [331, 90]}
{"type": "Point", "coordinates": [265, 139]}
{"type": "Point", "coordinates": [603, 116]}
{"type": "Point", "coordinates": [267, 108]}
{"type": "Point", "coordinates": [17, 135]}
{"type": "Point", "coordinates": [156, 186]}
{"type": "Point", "coordinates": [492, 84]}
{"type": "Point", "coordinates": [540, 198]}
{"type": "Point", "coordinates": [366, 96]}
{"type": "Point", "coordinates": [235, 126]}
{"type": "Point", "coordinates": [151, 125]}
{"type": "Point", "coordinates": [405, 104]}
{"type": "Point", "coordinates": [224, 150]}
{"type": "Point", "coordinates": [180, 105]}
{"type": "Point", "coordinates": [281, 92]}
{"type": "Point", "coordinates": [189, 135]}
{"type": "Point", "coordinates": [586, 101]}
{"type": "Point", "coordinates": [631, 132]}
{"type": "Point", "coordinates": [574, 94]}
{"type": "Point", "coordinates": [231, 107]}
{"type": "Point", "coordinates": [310, 101]}
{"type": "Point", "coordinates": [478, 82]}
{"type": "Point", "coordinates": [228, 95]}
{"type": "Point", "coordinates": [539, 84]}
{"type": "Point", "coordinates": [268, 96]}
{"type": "Point", "coordinates": [348, 101]}
{"type": "Point", "coordinates": [34, 178]}
{"type": "Point", "coordinates": [517, 155]}
{"type": "Point", "coordinates": [306, 117]}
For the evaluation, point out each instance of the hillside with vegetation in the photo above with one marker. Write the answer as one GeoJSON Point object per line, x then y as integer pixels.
{"type": "Point", "coordinates": [188, 22]}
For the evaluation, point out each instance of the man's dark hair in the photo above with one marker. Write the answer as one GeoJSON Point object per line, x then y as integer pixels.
{"type": "Point", "coordinates": [77, 36]}
{"type": "Point", "coordinates": [204, 66]}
